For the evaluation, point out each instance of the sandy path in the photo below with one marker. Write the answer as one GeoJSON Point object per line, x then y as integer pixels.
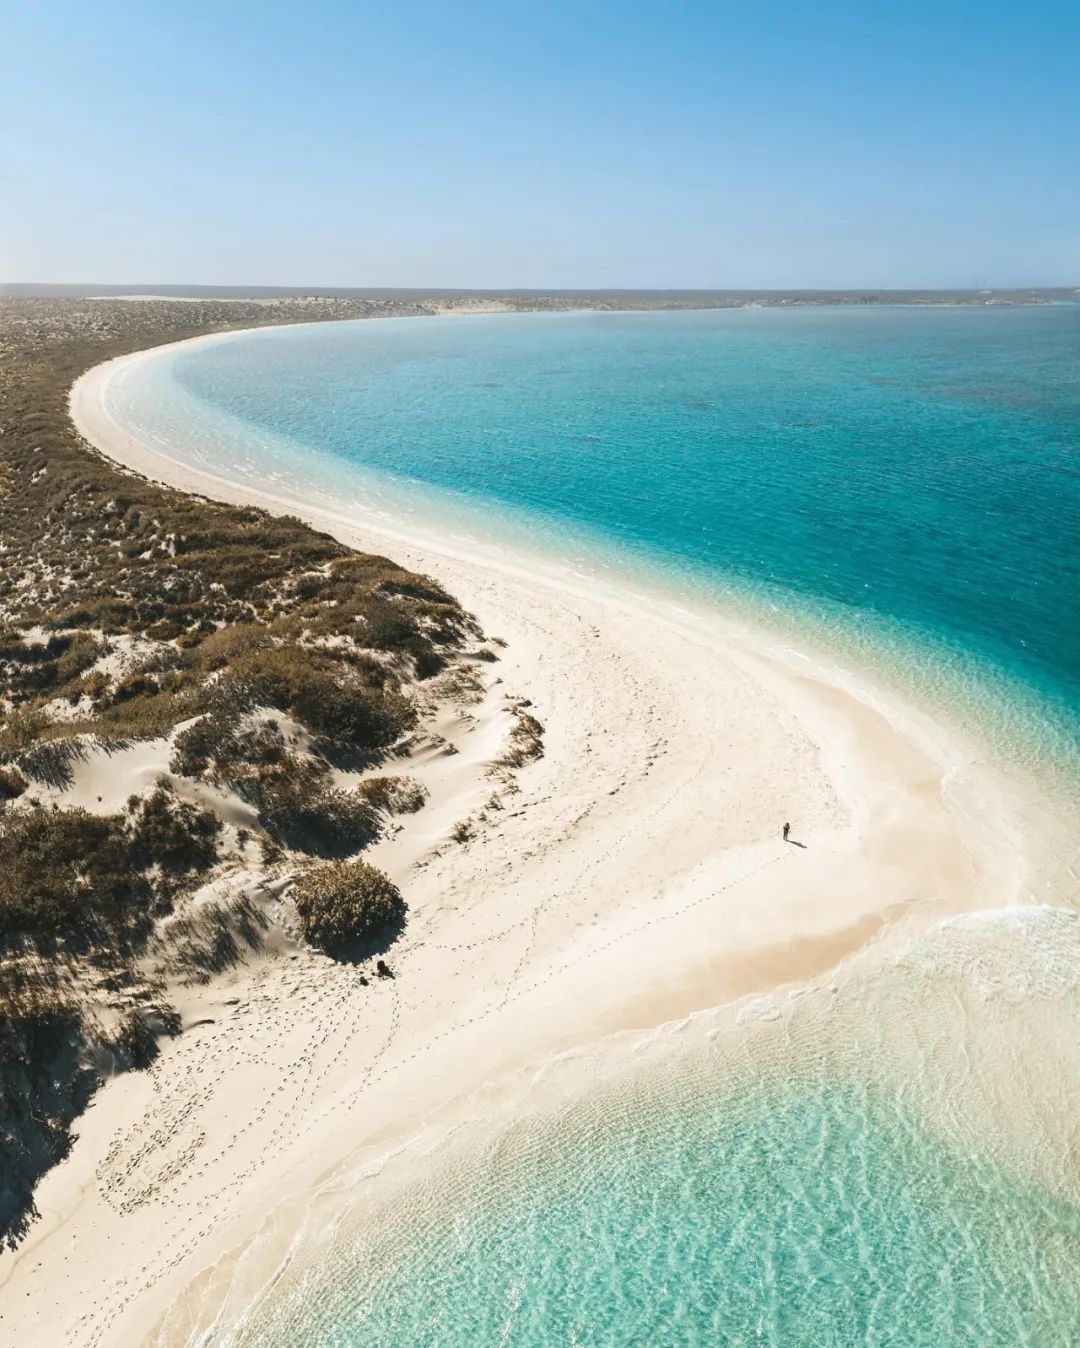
{"type": "Point", "coordinates": [637, 876]}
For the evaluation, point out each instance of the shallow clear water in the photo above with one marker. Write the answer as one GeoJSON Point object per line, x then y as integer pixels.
{"type": "Point", "coordinates": [820, 1217]}
{"type": "Point", "coordinates": [838, 1170]}
{"type": "Point", "coordinates": [896, 1165]}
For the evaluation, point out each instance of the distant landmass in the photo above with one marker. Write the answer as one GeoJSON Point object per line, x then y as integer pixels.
{"type": "Point", "coordinates": [543, 298]}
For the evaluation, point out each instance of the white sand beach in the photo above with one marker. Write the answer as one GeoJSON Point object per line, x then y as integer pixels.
{"type": "Point", "coordinates": [637, 875]}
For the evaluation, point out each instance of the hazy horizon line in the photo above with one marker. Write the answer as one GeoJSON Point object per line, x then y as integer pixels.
{"type": "Point", "coordinates": [86, 289]}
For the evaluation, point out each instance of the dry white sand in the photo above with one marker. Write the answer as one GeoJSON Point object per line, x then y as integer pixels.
{"type": "Point", "coordinates": [637, 876]}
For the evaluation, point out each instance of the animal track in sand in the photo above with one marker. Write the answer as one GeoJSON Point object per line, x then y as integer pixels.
{"type": "Point", "coordinates": [104, 1310]}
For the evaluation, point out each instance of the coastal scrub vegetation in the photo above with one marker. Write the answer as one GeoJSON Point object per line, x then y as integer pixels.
{"type": "Point", "coordinates": [263, 655]}
{"type": "Point", "coordinates": [45, 1082]}
{"type": "Point", "coordinates": [70, 880]}
{"type": "Point", "coordinates": [526, 742]}
{"type": "Point", "coordinates": [348, 905]}
{"type": "Point", "coordinates": [393, 795]}
{"type": "Point", "coordinates": [127, 609]}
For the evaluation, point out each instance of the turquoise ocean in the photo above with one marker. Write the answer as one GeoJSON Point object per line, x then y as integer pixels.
{"type": "Point", "coordinates": [892, 1163]}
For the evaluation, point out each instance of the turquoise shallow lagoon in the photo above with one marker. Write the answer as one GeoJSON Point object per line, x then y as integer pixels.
{"type": "Point", "coordinates": [894, 1163]}
{"type": "Point", "coordinates": [888, 1162]}
{"type": "Point", "coordinates": [814, 1217]}
{"type": "Point", "coordinates": [904, 480]}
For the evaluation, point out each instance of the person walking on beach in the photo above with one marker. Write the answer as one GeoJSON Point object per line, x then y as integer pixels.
{"type": "Point", "coordinates": [787, 830]}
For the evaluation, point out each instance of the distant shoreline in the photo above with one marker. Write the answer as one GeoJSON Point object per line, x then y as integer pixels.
{"type": "Point", "coordinates": [543, 297]}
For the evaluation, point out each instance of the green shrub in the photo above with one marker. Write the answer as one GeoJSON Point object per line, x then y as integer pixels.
{"type": "Point", "coordinates": [95, 685]}
{"type": "Point", "coordinates": [219, 648]}
{"type": "Point", "coordinates": [193, 748]}
{"type": "Point", "coordinates": [19, 731]}
{"type": "Point", "coordinates": [348, 903]}
{"type": "Point", "coordinates": [387, 627]}
{"type": "Point", "coordinates": [146, 716]}
{"type": "Point", "coordinates": [83, 651]}
{"type": "Point", "coordinates": [427, 663]}
{"type": "Point", "coordinates": [319, 692]}
{"type": "Point", "coordinates": [358, 717]}
{"type": "Point", "coordinates": [172, 834]}
{"type": "Point", "coordinates": [44, 669]}
{"type": "Point", "coordinates": [134, 685]}
{"type": "Point", "coordinates": [64, 874]}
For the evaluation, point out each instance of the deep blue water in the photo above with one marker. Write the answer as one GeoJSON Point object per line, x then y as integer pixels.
{"type": "Point", "coordinates": [905, 482]}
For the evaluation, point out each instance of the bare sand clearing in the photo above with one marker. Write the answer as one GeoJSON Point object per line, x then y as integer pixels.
{"type": "Point", "coordinates": [638, 875]}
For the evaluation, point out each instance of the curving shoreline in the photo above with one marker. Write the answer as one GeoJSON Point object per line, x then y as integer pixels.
{"type": "Point", "coordinates": [641, 879]}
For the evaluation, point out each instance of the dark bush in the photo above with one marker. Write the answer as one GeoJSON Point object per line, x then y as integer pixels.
{"type": "Point", "coordinates": [172, 834]}
{"type": "Point", "coordinates": [386, 626]}
{"type": "Point", "coordinates": [134, 685]}
{"type": "Point", "coordinates": [427, 663]}
{"type": "Point", "coordinates": [194, 747]}
{"type": "Point", "coordinates": [217, 649]}
{"type": "Point", "coordinates": [70, 877]}
{"type": "Point", "coordinates": [359, 717]}
{"type": "Point", "coordinates": [83, 651]}
{"type": "Point", "coordinates": [135, 1039]}
{"type": "Point", "coordinates": [146, 716]}
{"type": "Point", "coordinates": [348, 903]}
{"type": "Point", "coordinates": [19, 731]}
{"type": "Point", "coordinates": [230, 743]}
{"type": "Point", "coordinates": [12, 783]}
{"type": "Point", "coordinates": [64, 874]}
{"type": "Point", "coordinates": [95, 685]}
{"type": "Point", "coordinates": [320, 693]}
{"type": "Point", "coordinates": [301, 814]}
{"type": "Point", "coordinates": [44, 1082]}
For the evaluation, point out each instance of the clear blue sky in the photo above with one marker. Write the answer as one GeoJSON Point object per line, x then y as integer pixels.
{"type": "Point", "coordinates": [549, 143]}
